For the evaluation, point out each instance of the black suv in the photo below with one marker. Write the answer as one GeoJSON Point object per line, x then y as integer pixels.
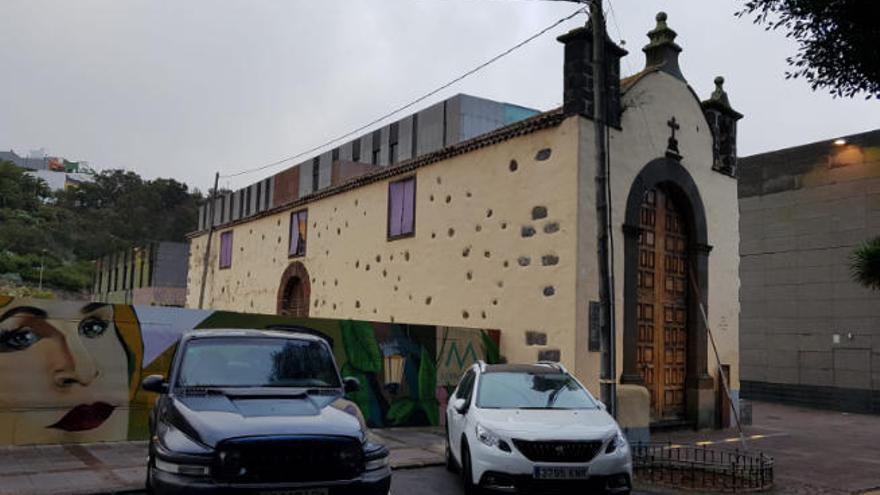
{"type": "Point", "coordinates": [257, 412]}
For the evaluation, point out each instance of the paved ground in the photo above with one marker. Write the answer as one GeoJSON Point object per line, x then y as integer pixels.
{"type": "Point", "coordinates": [815, 452]}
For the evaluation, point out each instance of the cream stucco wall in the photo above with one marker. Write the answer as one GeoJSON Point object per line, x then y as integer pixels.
{"type": "Point", "coordinates": [472, 202]}
{"type": "Point", "coordinates": [655, 99]}
{"type": "Point", "coordinates": [475, 203]}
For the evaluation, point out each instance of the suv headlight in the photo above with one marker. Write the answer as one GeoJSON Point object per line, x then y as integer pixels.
{"type": "Point", "coordinates": [618, 441]}
{"type": "Point", "coordinates": [488, 437]}
{"type": "Point", "coordinates": [375, 457]}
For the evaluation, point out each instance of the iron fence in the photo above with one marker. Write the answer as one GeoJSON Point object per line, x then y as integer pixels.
{"type": "Point", "coordinates": [702, 467]}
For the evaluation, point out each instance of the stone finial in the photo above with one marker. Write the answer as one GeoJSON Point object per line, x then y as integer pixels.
{"type": "Point", "coordinates": [719, 100]}
{"type": "Point", "coordinates": [662, 51]}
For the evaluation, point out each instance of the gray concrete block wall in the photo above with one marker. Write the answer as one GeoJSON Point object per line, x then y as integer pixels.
{"type": "Point", "coordinates": [236, 205]}
{"type": "Point", "coordinates": [325, 171]}
{"type": "Point", "coordinates": [804, 322]}
{"type": "Point", "coordinates": [367, 149]}
{"type": "Point", "coordinates": [172, 261]}
{"type": "Point", "coordinates": [345, 151]}
{"type": "Point", "coordinates": [384, 150]}
{"type": "Point", "coordinates": [305, 178]}
{"type": "Point", "coordinates": [430, 129]}
{"type": "Point", "coordinates": [453, 120]}
{"type": "Point", "coordinates": [405, 139]}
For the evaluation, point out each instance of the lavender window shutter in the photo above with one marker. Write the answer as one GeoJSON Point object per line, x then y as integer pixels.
{"type": "Point", "coordinates": [294, 235]}
{"type": "Point", "coordinates": [395, 214]}
{"type": "Point", "coordinates": [409, 202]}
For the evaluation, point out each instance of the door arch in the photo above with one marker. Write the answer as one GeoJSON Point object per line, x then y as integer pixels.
{"type": "Point", "coordinates": [670, 329]}
{"type": "Point", "coordinates": [294, 291]}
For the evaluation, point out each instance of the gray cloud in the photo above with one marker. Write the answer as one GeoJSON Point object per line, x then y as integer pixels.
{"type": "Point", "coordinates": [183, 88]}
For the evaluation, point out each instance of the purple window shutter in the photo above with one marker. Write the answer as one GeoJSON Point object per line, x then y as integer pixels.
{"type": "Point", "coordinates": [407, 225]}
{"type": "Point", "coordinates": [395, 213]}
{"type": "Point", "coordinates": [226, 250]}
{"type": "Point", "coordinates": [294, 234]}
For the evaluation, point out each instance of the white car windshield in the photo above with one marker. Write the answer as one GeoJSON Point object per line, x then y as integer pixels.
{"type": "Point", "coordinates": [257, 362]}
{"type": "Point", "coordinates": [522, 390]}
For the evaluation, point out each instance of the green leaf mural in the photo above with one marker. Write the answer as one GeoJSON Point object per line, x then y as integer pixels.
{"type": "Point", "coordinates": [493, 352]}
{"type": "Point", "coordinates": [361, 397]}
{"type": "Point", "coordinates": [361, 348]}
{"type": "Point", "coordinates": [428, 388]}
{"type": "Point", "coordinates": [401, 410]}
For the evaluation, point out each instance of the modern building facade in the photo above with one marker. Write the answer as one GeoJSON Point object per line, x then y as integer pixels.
{"type": "Point", "coordinates": [154, 274]}
{"type": "Point", "coordinates": [810, 335]}
{"type": "Point", "coordinates": [446, 123]}
{"type": "Point", "coordinates": [499, 231]}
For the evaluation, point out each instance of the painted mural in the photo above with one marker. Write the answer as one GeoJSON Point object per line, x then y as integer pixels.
{"type": "Point", "coordinates": [70, 371]}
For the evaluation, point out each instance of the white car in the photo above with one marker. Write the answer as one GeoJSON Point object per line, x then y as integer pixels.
{"type": "Point", "coordinates": [533, 428]}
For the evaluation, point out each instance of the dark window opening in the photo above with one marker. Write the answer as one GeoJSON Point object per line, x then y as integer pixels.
{"type": "Point", "coordinates": [356, 151]}
{"type": "Point", "coordinates": [259, 194]}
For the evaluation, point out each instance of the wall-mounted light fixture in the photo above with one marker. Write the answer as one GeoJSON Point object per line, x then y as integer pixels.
{"type": "Point", "coordinates": [839, 142]}
{"type": "Point", "coordinates": [394, 364]}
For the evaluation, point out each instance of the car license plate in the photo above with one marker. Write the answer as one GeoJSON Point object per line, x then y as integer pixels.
{"type": "Point", "coordinates": [561, 473]}
{"type": "Point", "coordinates": [303, 491]}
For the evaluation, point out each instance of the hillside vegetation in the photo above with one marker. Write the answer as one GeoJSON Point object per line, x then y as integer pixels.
{"type": "Point", "coordinates": [69, 229]}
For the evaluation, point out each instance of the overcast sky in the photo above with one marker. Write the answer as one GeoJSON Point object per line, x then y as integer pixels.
{"type": "Point", "coordinates": [181, 88]}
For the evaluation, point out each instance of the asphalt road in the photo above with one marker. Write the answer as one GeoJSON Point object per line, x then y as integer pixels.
{"type": "Point", "coordinates": [425, 481]}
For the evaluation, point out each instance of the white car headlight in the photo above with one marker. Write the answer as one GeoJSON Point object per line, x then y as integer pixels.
{"type": "Point", "coordinates": [488, 437]}
{"type": "Point", "coordinates": [618, 441]}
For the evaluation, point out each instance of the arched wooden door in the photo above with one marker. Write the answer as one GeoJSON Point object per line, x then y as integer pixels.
{"type": "Point", "coordinates": [662, 305]}
{"type": "Point", "coordinates": [294, 292]}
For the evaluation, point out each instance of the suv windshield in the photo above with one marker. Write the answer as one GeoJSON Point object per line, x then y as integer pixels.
{"type": "Point", "coordinates": [257, 362]}
{"type": "Point", "coordinates": [508, 390]}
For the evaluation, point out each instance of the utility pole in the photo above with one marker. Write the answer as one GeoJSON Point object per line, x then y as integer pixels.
{"type": "Point", "coordinates": [207, 260]}
{"type": "Point", "coordinates": [606, 311]}
{"type": "Point", "coordinates": [42, 254]}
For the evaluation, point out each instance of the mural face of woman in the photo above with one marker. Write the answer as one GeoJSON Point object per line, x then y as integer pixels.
{"type": "Point", "coordinates": [63, 376]}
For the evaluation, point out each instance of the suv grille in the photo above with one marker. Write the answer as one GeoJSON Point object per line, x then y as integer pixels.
{"type": "Point", "coordinates": [288, 459]}
{"type": "Point", "coordinates": [577, 451]}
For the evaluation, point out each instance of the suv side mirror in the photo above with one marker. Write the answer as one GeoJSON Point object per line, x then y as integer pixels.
{"type": "Point", "coordinates": [351, 384]}
{"type": "Point", "coordinates": [460, 405]}
{"type": "Point", "coordinates": [155, 383]}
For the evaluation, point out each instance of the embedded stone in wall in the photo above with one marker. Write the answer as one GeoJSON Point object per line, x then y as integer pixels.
{"type": "Point", "coordinates": [549, 259]}
{"type": "Point", "coordinates": [489, 213]}
{"type": "Point", "coordinates": [513, 165]}
{"type": "Point", "coordinates": [544, 154]}
{"type": "Point", "coordinates": [428, 301]}
{"type": "Point", "coordinates": [539, 212]}
{"type": "Point", "coordinates": [524, 261]}
{"type": "Point", "coordinates": [466, 252]}
{"type": "Point", "coordinates": [553, 355]}
{"type": "Point", "coordinates": [536, 338]}
{"type": "Point", "coordinates": [528, 231]}
{"type": "Point", "coordinates": [549, 291]}
{"type": "Point", "coordinates": [551, 227]}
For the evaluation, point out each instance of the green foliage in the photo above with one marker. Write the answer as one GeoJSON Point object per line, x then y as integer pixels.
{"type": "Point", "coordinates": [361, 348]}
{"type": "Point", "coordinates": [865, 264]}
{"type": "Point", "coordinates": [362, 396]}
{"type": "Point", "coordinates": [837, 41]}
{"type": "Point", "coordinates": [490, 348]}
{"type": "Point", "coordinates": [428, 387]}
{"type": "Point", "coordinates": [401, 410]}
{"type": "Point", "coordinates": [71, 228]}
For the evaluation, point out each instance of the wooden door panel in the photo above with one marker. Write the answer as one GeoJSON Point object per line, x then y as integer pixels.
{"type": "Point", "coordinates": [662, 305]}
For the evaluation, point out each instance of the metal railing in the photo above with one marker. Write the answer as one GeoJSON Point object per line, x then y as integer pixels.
{"type": "Point", "coordinates": [702, 467]}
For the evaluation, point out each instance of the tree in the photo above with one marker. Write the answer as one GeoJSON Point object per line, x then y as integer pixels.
{"type": "Point", "coordinates": [837, 40]}
{"type": "Point", "coordinates": [865, 264]}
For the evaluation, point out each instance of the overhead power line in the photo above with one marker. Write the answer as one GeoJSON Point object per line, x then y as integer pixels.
{"type": "Point", "coordinates": [413, 102]}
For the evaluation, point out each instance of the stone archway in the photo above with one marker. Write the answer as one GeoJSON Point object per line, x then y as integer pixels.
{"type": "Point", "coordinates": [294, 291]}
{"type": "Point", "coordinates": [675, 185]}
